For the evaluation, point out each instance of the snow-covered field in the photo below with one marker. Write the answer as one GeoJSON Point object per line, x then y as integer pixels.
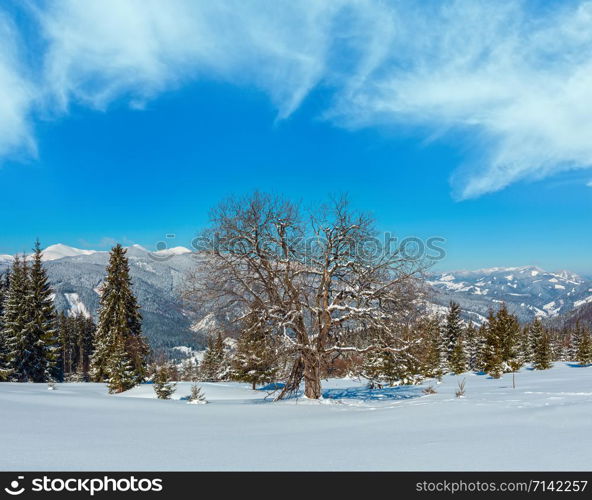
{"type": "Point", "coordinates": [543, 424]}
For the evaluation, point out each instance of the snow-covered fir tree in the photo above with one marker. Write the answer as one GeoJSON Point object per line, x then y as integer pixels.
{"type": "Point", "coordinates": [542, 355]}
{"type": "Point", "coordinates": [535, 332]}
{"type": "Point", "coordinates": [255, 359]}
{"type": "Point", "coordinates": [43, 320]}
{"type": "Point", "coordinates": [197, 397]}
{"type": "Point", "coordinates": [190, 370]}
{"type": "Point", "coordinates": [4, 369]}
{"type": "Point", "coordinates": [392, 361]}
{"type": "Point", "coordinates": [379, 368]}
{"type": "Point", "coordinates": [584, 347]}
{"type": "Point", "coordinates": [558, 343]}
{"type": "Point", "coordinates": [164, 387]}
{"type": "Point", "coordinates": [27, 359]}
{"type": "Point", "coordinates": [429, 331]}
{"type": "Point", "coordinates": [492, 360]}
{"type": "Point", "coordinates": [508, 329]}
{"type": "Point", "coordinates": [452, 330]}
{"type": "Point", "coordinates": [574, 341]}
{"type": "Point", "coordinates": [214, 366]}
{"type": "Point", "coordinates": [540, 347]}
{"type": "Point", "coordinates": [120, 322]}
{"type": "Point", "coordinates": [482, 333]}
{"type": "Point", "coordinates": [457, 362]}
{"type": "Point", "coordinates": [519, 353]}
{"type": "Point", "coordinates": [525, 346]}
{"type": "Point", "coordinates": [473, 345]}
{"type": "Point", "coordinates": [122, 375]}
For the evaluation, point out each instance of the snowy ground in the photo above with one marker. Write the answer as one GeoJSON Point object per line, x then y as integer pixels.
{"type": "Point", "coordinates": [543, 424]}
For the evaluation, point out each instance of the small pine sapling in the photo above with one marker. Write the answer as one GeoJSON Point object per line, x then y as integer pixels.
{"type": "Point", "coordinates": [163, 387]}
{"type": "Point", "coordinates": [197, 397]}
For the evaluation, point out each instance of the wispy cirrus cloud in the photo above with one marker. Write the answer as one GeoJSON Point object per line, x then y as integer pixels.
{"type": "Point", "coordinates": [98, 51]}
{"type": "Point", "coordinates": [17, 94]}
{"type": "Point", "coordinates": [512, 79]}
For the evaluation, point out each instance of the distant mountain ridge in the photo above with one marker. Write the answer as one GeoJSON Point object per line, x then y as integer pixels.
{"type": "Point", "coordinates": [529, 291]}
{"type": "Point", "coordinates": [76, 276]}
{"type": "Point", "coordinates": [158, 278]}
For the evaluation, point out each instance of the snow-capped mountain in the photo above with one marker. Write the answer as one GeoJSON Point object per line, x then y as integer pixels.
{"type": "Point", "coordinates": [59, 251]}
{"type": "Point", "coordinates": [528, 291]}
{"type": "Point", "coordinates": [76, 276]}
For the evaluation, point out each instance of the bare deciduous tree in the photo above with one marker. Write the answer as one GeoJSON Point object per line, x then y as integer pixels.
{"type": "Point", "coordinates": [312, 281]}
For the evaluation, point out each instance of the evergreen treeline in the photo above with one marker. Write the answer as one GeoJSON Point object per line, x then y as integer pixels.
{"type": "Point", "coordinates": [29, 343]}
{"type": "Point", "coordinates": [39, 345]}
{"type": "Point", "coordinates": [438, 346]}
{"type": "Point", "coordinates": [76, 336]}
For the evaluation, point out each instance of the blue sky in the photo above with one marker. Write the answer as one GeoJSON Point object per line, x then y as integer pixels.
{"type": "Point", "coordinates": [120, 130]}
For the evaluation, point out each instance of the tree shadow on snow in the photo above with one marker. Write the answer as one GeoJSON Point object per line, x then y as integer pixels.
{"type": "Point", "coordinates": [353, 393]}
{"type": "Point", "coordinates": [384, 394]}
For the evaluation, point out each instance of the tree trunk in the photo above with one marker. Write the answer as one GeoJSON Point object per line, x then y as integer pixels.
{"type": "Point", "coordinates": [254, 386]}
{"type": "Point", "coordinates": [312, 376]}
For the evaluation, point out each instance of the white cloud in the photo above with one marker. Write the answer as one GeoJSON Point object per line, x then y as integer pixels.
{"type": "Point", "coordinates": [515, 87]}
{"type": "Point", "coordinates": [17, 95]}
{"type": "Point", "coordinates": [511, 84]}
{"type": "Point", "coordinates": [101, 50]}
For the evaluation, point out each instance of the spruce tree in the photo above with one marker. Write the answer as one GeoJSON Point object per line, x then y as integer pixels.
{"type": "Point", "coordinates": [379, 368]}
{"type": "Point", "coordinates": [508, 333]}
{"type": "Point", "coordinates": [584, 352]}
{"type": "Point", "coordinates": [190, 370]}
{"type": "Point", "coordinates": [492, 355]}
{"type": "Point", "coordinates": [213, 366]}
{"type": "Point", "coordinates": [4, 369]}
{"type": "Point", "coordinates": [120, 323]}
{"type": "Point", "coordinates": [15, 316]}
{"type": "Point", "coordinates": [541, 359]}
{"type": "Point", "coordinates": [120, 368]}
{"type": "Point", "coordinates": [254, 360]}
{"type": "Point", "coordinates": [429, 330]}
{"type": "Point", "coordinates": [163, 386]}
{"type": "Point", "coordinates": [458, 360]}
{"type": "Point", "coordinates": [535, 332]}
{"type": "Point", "coordinates": [574, 342]}
{"type": "Point", "coordinates": [540, 345]}
{"type": "Point", "coordinates": [384, 364]}
{"type": "Point", "coordinates": [452, 330]}
{"type": "Point", "coordinates": [197, 397]}
{"type": "Point", "coordinates": [43, 318]}
{"type": "Point", "coordinates": [482, 333]}
{"type": "Point", "coordinates": [27, 361]}
{"type": "Point", "coordinates": [558, 348]}
{"type": "Point", "coordinates": [526, 344]}
{"type": "Point", "coordinates": [473, 345]}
